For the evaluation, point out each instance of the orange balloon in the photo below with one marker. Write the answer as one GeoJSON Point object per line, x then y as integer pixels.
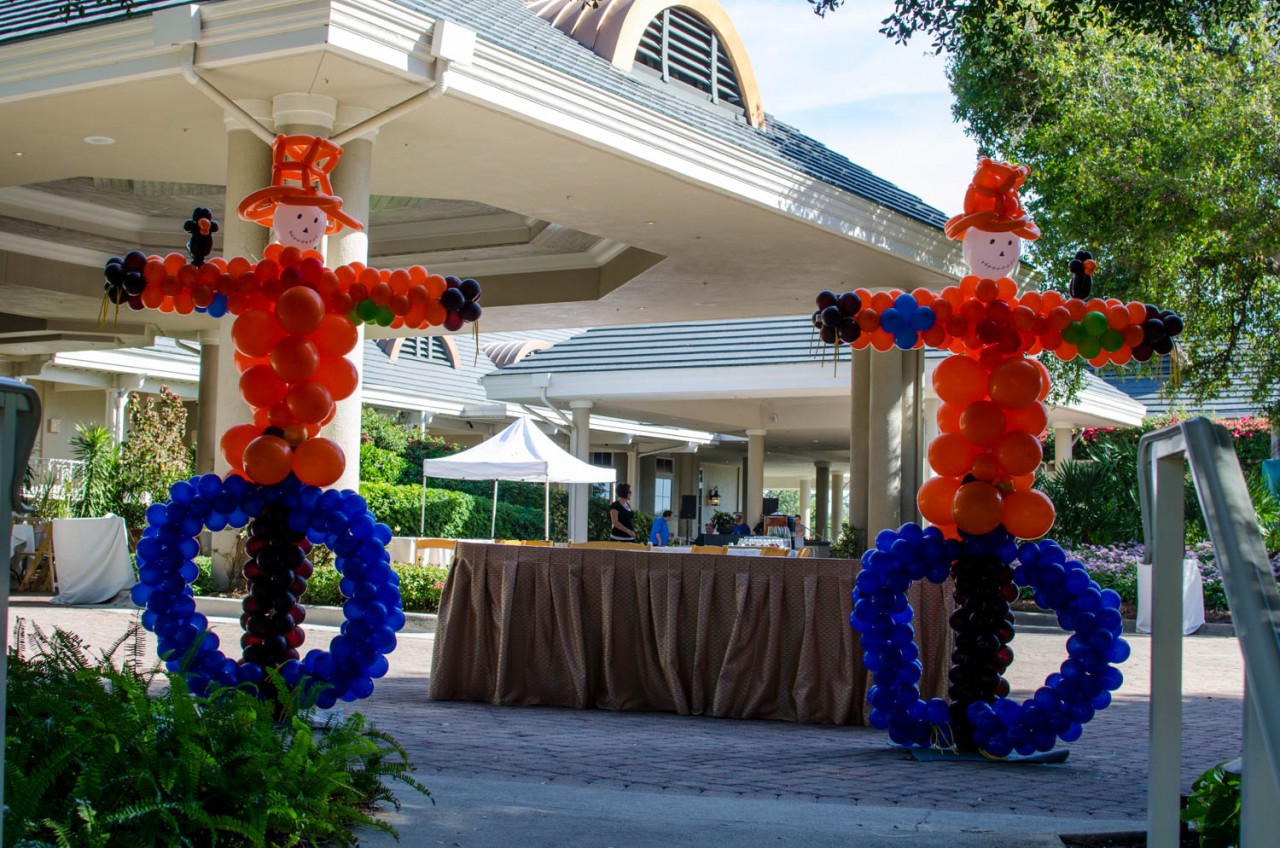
{"type": "Point", "coordinates": [982, 423]}
{"type": "Point", "coordinates": [960, 380]}
{"type": "Point", "coordinates": [1118, 317]}
{"type": "Point", "coordinates": [935, 498]}
{"type": "Point", "coordinates": [1014, 383]}
{"type": "Point", "coordinates": [294, 358]}
{"type": "Point", "coordinates": [1032, 419]}
{"type": "Point", "coordinates": [338, 375]}
{"type": "Point", "coordinates": [951, 455]}
{"type": "Point", "coordinates": [1024, 482]}
{"type": "Point", "coordinates": [1137, 312]}
{"type": "Point", "coordinates": [1045, 382]}
{"type": "Point", "coordinates": [310, 402]}
{"type": "Point", "coordinates": [978, 508]}
{"type": "Point", "coordinates": [949, 417]}
{"type": "Point", "coordinates": [1019, 453]}
{"type": "Point", "coordinates": [255, 333]}
{"type": "Point", "coordinates": [244, 363]}
{"type": "Point", "coordinates": [336, 336]}
{"type": "Point", "coordinates": [267, 460]}
{"type": "Point", "coordinates": [1133, 334]}
{"type": "Point", "coordinates": [985, 466]}
{"type": "Point", "coordinates": [235, 440]}
{"type": "Point", "coordinates": [260, 387]}
{"type": "Point", "coordinates": [300, 310]}
{"type": "Point", "coordinates": [1028, 514]}
{"type": "Point", "coordinates": [319, 462]}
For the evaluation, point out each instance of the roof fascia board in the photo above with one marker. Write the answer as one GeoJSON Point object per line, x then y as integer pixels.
{"type": "Point", "coordinates": [563, 104]}
{"type": "Point", "coordinates": [125, 50]}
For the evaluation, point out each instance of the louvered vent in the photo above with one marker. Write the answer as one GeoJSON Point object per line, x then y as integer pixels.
{"type": "Point", "coordinates": [682, 48]}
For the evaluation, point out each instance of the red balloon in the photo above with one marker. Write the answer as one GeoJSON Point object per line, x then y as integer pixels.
{"type": "Point", "coordinates": [1028, 514]}
{"type": "Point", "coordinates": [310, 402]}
{"type": "Point", "coordinates": [935, 499]}
{"type": "Point", "coordinates": [255, 333]}
{"type": "Point", "coordinates": [260, 387]}
{"type": "Point", "coordinates": [949, 417]}
{"type": "Point", "coordinates": [234, 441]}
{"type": "Point", "coordinates": [1033, 419]}
{"type": "Point", "coordinates": [1015, 383]}
{"type": "Point", "coordinates": [300, 310]}
{"type": "Point", "coordinates": [294, 358]}
{"type": "Point", "coordinates": [1019, 453]}
{"type": "Point", "coordinates": [338, 375]}
{"type": "Point", "coordinates": [982, 423]}
{"type": "Point", "coordinates": [960, 380]}
{"type": "Point", "coordinates": [978, 508]}
{"type": "Point", "coordinates": [336, 336]}
{"type": "Point", "coordinates": [319, 462]}
{"type": "Point", "coordinates": [267, 460]}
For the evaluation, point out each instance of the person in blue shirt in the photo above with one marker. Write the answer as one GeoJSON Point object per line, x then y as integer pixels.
{"type": "Point", "coordinates": [660, 535]}
{"type": "Point", "coordinates": [740, 527]}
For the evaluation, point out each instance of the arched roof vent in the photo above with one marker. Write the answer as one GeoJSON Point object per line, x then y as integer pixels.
{"type": "Point", "coordinates": [692, 45]}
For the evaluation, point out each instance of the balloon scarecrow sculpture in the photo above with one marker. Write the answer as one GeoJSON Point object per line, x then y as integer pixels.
{"type": "Point", "coordinates": [982, 501]}
{"type": "Point", "coordinates": [296, 321]}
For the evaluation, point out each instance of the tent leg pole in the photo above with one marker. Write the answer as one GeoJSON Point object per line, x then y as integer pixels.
{"type": "Point", "coordinates": [493, 515]}
{"type": "Point", "coordinates": [546, 510]}
{"type": "Point", "coordinates": [422, 517]}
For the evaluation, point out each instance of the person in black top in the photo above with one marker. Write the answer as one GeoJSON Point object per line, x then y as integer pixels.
{"type": "Point", "coordinates": [622, 521]}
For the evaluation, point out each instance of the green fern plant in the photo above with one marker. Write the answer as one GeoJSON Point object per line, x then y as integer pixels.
{"type": "Point", "coordinates": [101, 754]}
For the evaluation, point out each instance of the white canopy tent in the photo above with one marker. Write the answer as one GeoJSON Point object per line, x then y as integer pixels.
{"type": "Point", "coordinates": [520, 452]}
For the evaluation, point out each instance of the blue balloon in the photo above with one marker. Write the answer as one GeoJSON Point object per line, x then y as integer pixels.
{"type": "Point", "coordinates": [905, 303]}
{"type": "Point", "coordinates": [923, 319]}
{"type": "Point", "coordinates": [892, 321]}
{"type": "Point", "coordinates": [158, 515]}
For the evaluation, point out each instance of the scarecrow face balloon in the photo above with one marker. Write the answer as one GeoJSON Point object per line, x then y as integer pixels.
{"type": "Point", "coordinates": [991, 255]}
{"type": "Point", "coordinates": [299, 226]}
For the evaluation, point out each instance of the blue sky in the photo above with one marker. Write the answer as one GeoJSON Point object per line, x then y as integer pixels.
{"type": "Point", "coordinates": [883, 105]}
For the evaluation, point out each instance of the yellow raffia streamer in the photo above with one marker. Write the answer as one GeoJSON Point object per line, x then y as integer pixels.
{"type": "Point", "coordinates": [102, 312]}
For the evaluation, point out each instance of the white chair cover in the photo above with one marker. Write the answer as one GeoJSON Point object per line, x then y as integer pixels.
{"type": "Point", "coordinates": [91, 559]}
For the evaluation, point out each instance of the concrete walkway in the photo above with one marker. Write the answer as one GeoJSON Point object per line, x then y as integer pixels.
{"type": "Point", "coordinates": [547, 776]}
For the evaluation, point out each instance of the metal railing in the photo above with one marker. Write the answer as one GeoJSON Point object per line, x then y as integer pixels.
{"type": "Point", "coordinates": [1255, 611]}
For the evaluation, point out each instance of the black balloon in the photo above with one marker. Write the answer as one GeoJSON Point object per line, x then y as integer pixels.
{"type": "Point", "coordinates": [452, 299]}
{"type": "Point", "coordinates": [849, 303]}
{"type": "Point", "coordinates": [470, 289]}
{"type": "Point", "coordinates": [470, 311]}
{"type": "Point", "coordinates": [135, 260]}
{"type": "Point", "coordinates": [825, 299]}
{"type": "Point", "coordinates": [831, 316]}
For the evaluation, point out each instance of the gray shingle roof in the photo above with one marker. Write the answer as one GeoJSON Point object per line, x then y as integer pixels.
{"type": "Point", "coordinates": [1236, 402]}
{"type": "Point", "coordinates": [508, 24]}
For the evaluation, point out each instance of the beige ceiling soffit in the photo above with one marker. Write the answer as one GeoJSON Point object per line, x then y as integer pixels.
{"type": "Point", "coordinates": [41, 249]}
{"type": "Point", "coordinates": [477, 231]}
{"type": "Point", "coordinates": [612, 29]}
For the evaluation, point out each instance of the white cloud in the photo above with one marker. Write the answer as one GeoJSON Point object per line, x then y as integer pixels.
{"type": "Point", "coordinates": [885, 106]}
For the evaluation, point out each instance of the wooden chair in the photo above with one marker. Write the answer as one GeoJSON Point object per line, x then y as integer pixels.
{"type": "Point", "coordinates": [36, 567]}
{"type": "Point", "coordinates": [774, 552]}
{"type": "Point", "coordinates": [538, 543]}
{"type": "Point", "coordinates": [507, 542]}
{"type": "Point", "coordinates": [710, 549]}
{"type": "Point", "coordinates": [611, 546]}
{"type": "Point", "coordinates": [805, 552]}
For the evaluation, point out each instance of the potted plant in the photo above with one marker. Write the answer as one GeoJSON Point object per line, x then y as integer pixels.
{"type": "Point", "coordinates": [723, 521]}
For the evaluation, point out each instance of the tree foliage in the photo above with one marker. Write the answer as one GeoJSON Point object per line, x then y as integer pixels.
{"type": "Point", "coordinates": [950, 22]}
{"type": "Point", "coordinates": [1163, 161]}
{"type": "Point", "coordinates": [155, 455]}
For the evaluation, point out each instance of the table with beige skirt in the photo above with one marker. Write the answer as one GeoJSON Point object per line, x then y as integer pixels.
{"type": "Point", "coordinates": [695, 634]}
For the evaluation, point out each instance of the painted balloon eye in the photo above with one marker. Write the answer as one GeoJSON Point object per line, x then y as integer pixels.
{"type": "Point", "coordinates": [299, 216]}
{"type": "Point", "coordinates": [1011, 242]}
{"type": "Point", "coordinates": [993, 241]}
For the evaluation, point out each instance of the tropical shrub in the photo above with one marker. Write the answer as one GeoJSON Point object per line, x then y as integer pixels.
{"type": "Point", "coordinates": [420, 587]}
{"type": "Point", "coordinates": [379, 465]}
{"type": "Point", "coordinates": [155, 455]}
{"type": "Point", "coordinates": [97, 756]}
{"type": "Point", "coordinates": [1213, 808]}
{"type": "Point", "coordinates": [94, 486]}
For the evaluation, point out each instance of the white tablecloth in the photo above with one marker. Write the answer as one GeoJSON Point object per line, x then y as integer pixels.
{"type": "Point", "coordinates": [91, 559]}
{"type": "Point", "coordinates": [22, 534]}
{"type": "Point", "coordinates": [1192, 598]}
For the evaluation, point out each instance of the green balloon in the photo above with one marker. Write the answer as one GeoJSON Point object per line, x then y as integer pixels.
{"type": "Point", "coordinates": [1112, 340]}
{"type": "Point", "coordinates": [1089, 347]}
{"type": "Point", "coordinates": [367, 310]}
{"type": "Point", "coordinates": [385, 316]}
{"type": "Point", "coordinates": [1095, 323]}
{"type": "Point", "coordinates": [1073, 333]}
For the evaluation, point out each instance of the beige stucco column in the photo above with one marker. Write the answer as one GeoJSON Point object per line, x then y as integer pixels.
{"type": "Point", "coordinates": [912, 473]}
{"type": "Point", "coordinates": [805, 514]}
{"type": "Point", "coordinates": [754, 483]}
{"type": "Point", "coordinates": [207, 402]}
{"type": "Point", "coordinates": [579, 446]}
{"type": "Point", "coordinates": [1062, 438]}
{"type": "Point", "coordinates": [822, 501]}
{"type": "Point", "coordinates": [248, 169]}
{"type": "Point", "coordinates": [859, 427]}
{"type": "Point", "coordinates": [837, 503]}
{"type": "Point", "coordinates": [884, 443]}
{"type": "Point", "coordinates": [351, 181]}
{"type": "Point", "coordinates": [632, 473]}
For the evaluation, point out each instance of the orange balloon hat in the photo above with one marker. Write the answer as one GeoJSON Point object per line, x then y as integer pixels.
{"type": "Point", "coordinates": [307, 160]}
{"type": "Point", "coordinates": [991, 204]}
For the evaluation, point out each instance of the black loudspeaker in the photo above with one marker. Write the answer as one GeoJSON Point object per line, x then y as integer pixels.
{"type": "Point", "coordinates": [688, 506]}
{"type": "Point", "coordinates": [770, 506]}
